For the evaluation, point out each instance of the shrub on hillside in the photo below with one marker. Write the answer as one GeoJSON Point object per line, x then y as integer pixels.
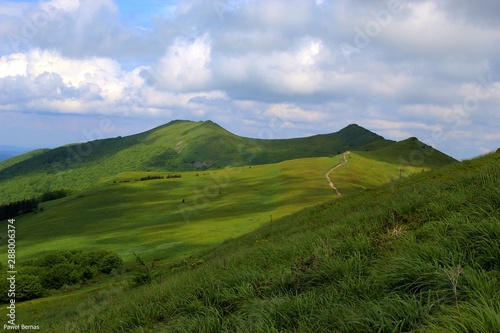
{"type": "Point", "coordinates": [109, 262]}
{"type": "Point", "coordinates": [58, 269]}
{"type": "Point", "coordinates": [59, 275]}
{"type": "Point", "coordinates": [72, 267]}
{"type": "Point", "coordinates": [27, 287]}
{"type": "Point", "coordinates": [151, 178]}
{"type": "Point", "coordinates": [53, 195]}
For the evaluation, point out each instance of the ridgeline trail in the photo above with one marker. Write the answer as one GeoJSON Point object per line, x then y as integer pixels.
{"type": "Point", "coordinates": [343, 161]}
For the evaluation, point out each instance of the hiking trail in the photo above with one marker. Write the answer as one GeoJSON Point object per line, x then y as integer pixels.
{"type": "Point", "coordinates": [343, 161]}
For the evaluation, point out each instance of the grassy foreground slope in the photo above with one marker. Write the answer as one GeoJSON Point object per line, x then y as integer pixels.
{"type": "Point", "coordinates": [177, 146]}
{"type": "Point", "coordinates": [419, 255]}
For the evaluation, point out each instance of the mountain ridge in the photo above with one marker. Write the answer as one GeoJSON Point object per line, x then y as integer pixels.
{"type": "Point", "coordinates": [180, 145]}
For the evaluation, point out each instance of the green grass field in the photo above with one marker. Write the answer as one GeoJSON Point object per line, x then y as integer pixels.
{"type": "Point", "coordinates": [417, 255]}
{"type": "Point", "coordinates": [125, 215]}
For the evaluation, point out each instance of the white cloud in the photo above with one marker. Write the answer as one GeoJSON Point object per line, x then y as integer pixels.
{"type": "Point", "coordinates": [278, 14]}
{"type": "Point", "coordinates": [491, 136]}
{"type": "Point", "coordinates": [295, 71]}
{"type": "Point", "coordinates": [64, 5]}
{"type": "Point", "coordinates": [256, 60]}
{"type": "Point", "coordinates": [186, 65]}
{"type": "Point", "coordinates": [428, 32]}
{"type": "Point", "coordinates": [13, 65]}
{"type": "Point", "coordinates": [288, 113]}
{"type": "Point", "coordinates": [429, 111]}
{"type": "Point", "coordinates": [40, 69]}
{"type": "Point", "coordinates": [47, 81]}
{"type": "Point", "coordinates": [393, 125]}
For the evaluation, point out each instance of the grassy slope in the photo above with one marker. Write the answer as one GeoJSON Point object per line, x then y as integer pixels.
{"type": "Point", "coordinates": [148, 217]}
{"type": "Point", "coordinates": [410, 152]}
{"type": "Point", "coordinates": [418, 255]}
{"type": "Point", "coordinates": [172, 147]}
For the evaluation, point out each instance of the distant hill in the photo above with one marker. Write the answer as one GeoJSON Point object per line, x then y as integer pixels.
{"type": "Point", "coordinates": [4, 156]}
{"type": "Point", "coordinates": [179, 146]}
{"type": "Point", "coordinates": [7, 152]}
{"type": "Point", "coordinates": [409, 152]}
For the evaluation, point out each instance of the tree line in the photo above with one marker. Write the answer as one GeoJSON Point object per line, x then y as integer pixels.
{"type": "Point", "coordinates": [161, 177]}
{"type": "Point", "coordinates": [13, 209]}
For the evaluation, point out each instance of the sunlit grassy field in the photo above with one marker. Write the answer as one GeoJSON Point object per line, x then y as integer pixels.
{"type": "Point", "coordinates": [168, 218]}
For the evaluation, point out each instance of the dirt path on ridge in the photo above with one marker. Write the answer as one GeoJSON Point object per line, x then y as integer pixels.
{"type": "Point", "coordinates": [343, 161]}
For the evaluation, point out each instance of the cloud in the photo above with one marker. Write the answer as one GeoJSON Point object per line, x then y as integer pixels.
{"type": "Point", "coordinates": [281, 72]}
{"type": "Point", "coordinates": [386, 124]}
{"type": "Point", "coordinates": [284, 15]}
{"type": "Point", "coordinates": [481, 13]}
{"type": "Point", "coordinates": [186, 65]}
{"type": "Point", "coordinates": [46, 75]}
{"type": "Point", "coordinates": [429, 32]}
{"type": "Point", "coordinates": [48, 82]}
{"type": "Point", "coordinates": [416, 67]}
{"type": "Point", "coordinates": [288, 113]}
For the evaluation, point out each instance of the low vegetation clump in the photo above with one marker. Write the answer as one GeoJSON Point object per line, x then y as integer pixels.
{"type": "Point", "coordinates": [420, 254]}
{"type": "Point", "coordinates": [155, 177]}
{"type": "Point", "coordinates": [37, 278]}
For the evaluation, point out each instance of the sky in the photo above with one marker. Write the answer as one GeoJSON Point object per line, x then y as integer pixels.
{"type": "Point", "coordinates": [79, 70]}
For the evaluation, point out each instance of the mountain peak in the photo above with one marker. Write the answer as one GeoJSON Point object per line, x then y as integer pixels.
{"type": "Point", "coordinates": [356, 128]}
{"type": "Point", "coordinates": [178, 121]}
{"type": "Point", "coordinates": [361, 138]}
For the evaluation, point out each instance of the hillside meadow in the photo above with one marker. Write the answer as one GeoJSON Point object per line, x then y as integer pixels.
{"type": "Point", "coordinates": [167, 218]}
{"type": "Point", "coordinates": [174, 217]}
{"type": "Point", "coordinates": [419, 254]}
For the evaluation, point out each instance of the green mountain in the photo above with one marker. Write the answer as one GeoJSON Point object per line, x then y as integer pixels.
{"type": "Point", "coordinates": [409, 152]}
{"type": "Point", "coordinates": [177, 146]}
{"type": "Point", "coordinates": [416, 255]}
